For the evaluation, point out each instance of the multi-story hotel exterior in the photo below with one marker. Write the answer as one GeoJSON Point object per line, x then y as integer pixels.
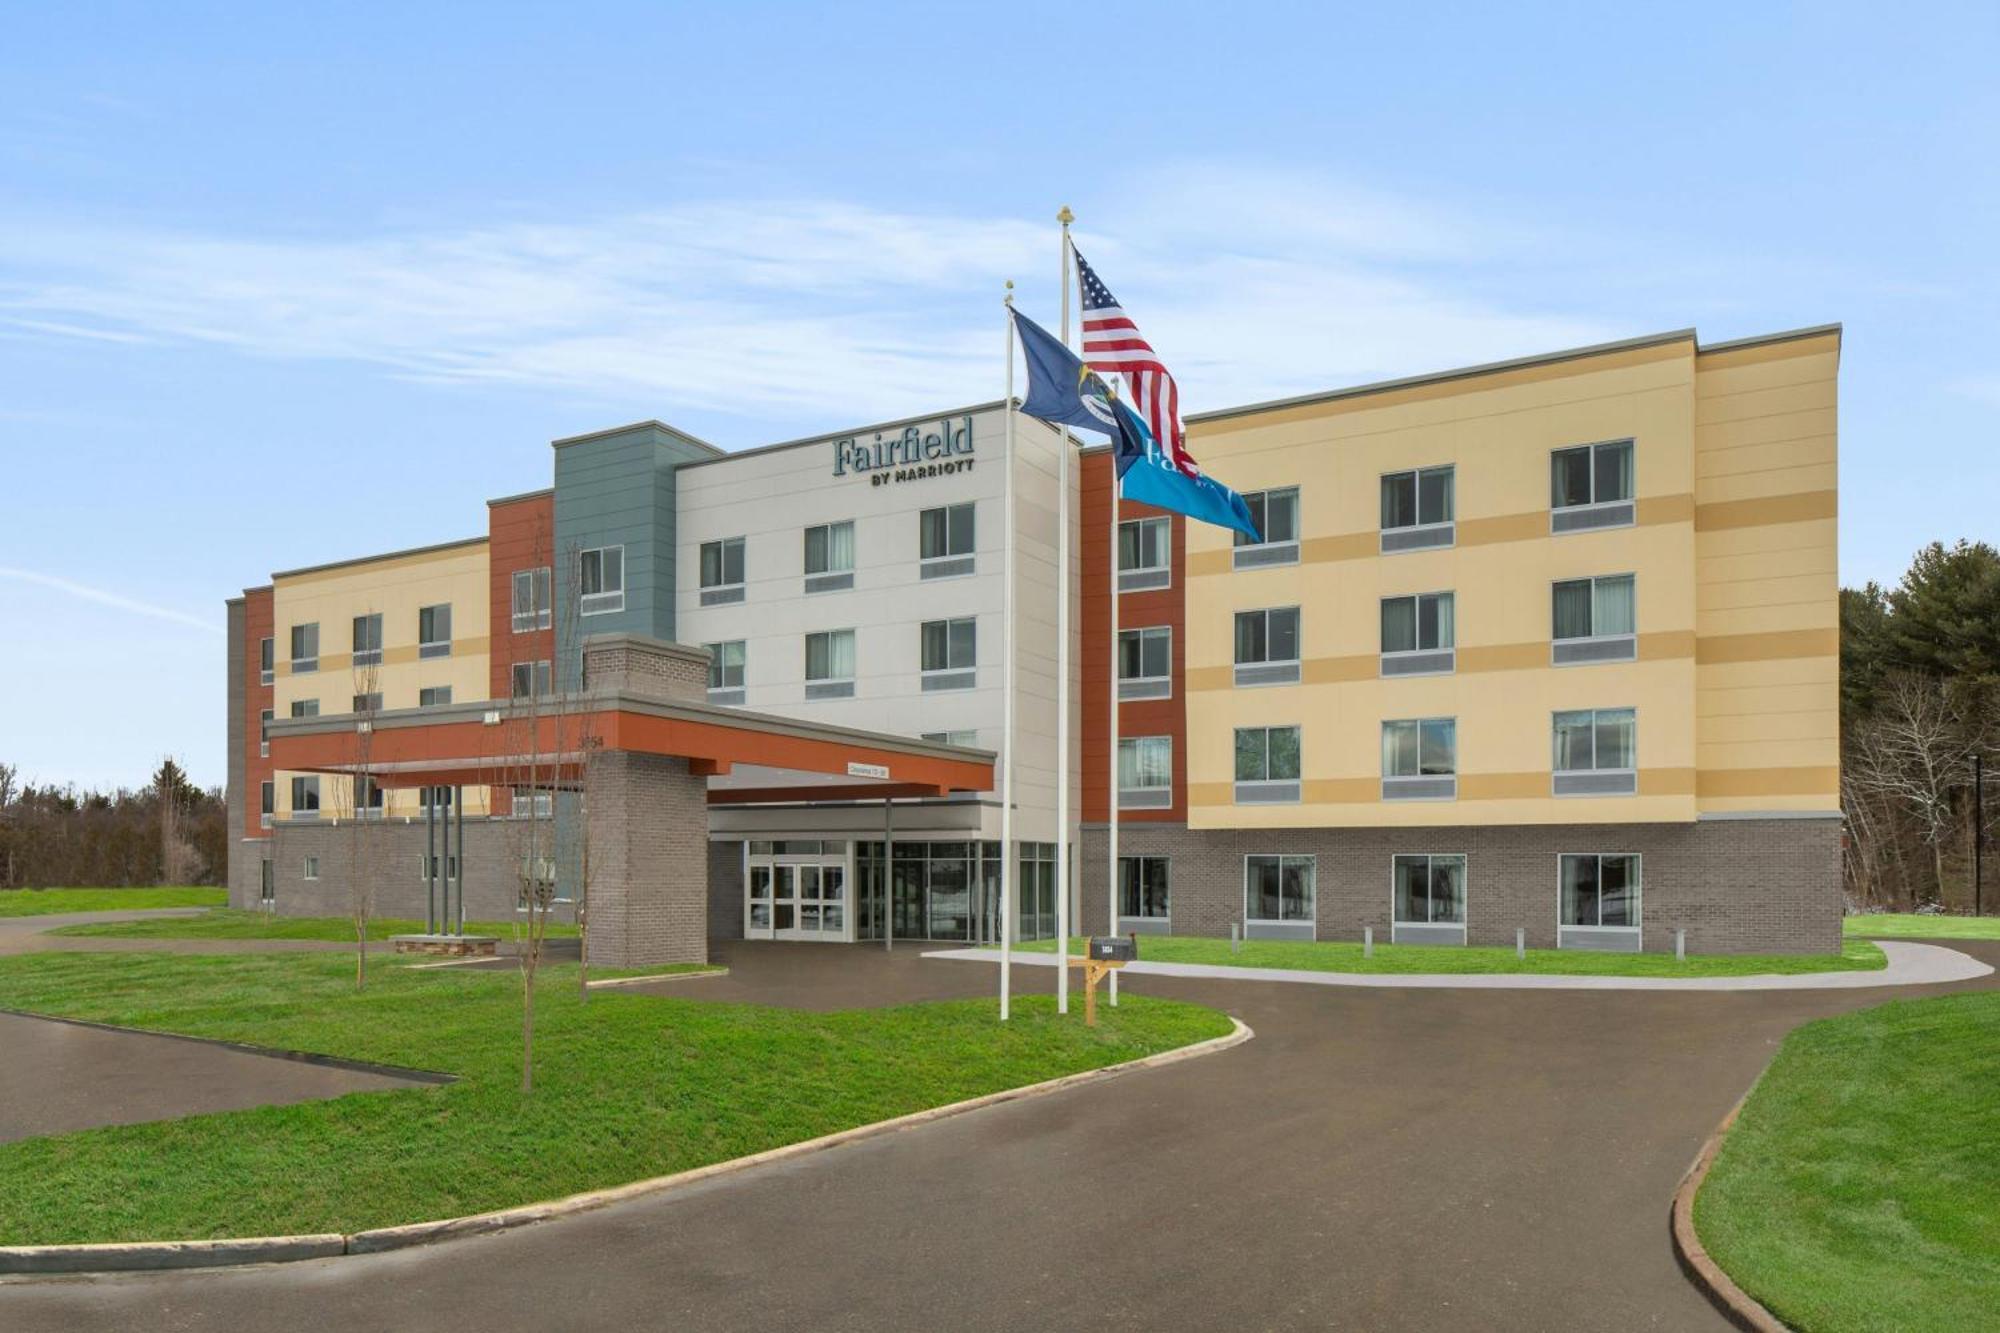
{"type": "Point", "coordinates": [1547, 646]}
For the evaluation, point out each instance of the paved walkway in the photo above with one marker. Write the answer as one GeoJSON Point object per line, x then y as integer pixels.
{"type": "Point", "coordinates": [1376, 1159]}
{"type": "Point", "coordinates": [1908, 965]}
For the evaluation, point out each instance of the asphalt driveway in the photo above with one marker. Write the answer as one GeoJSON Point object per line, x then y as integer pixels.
{"type": "Point", "coordinates": [1386, 1159]}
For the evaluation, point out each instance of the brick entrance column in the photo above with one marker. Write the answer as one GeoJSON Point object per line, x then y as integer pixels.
{"type": "Point", "coordinates": [648, 817]}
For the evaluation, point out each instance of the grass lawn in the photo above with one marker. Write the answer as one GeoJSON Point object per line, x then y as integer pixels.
{"type": "Point", "coordinates": [43, 902]}
{"type": "Point", "coordinates": [1914, 926]}
{"type": "Point", "coordinates": [1342, 956]}
{"type": "Point", "coordinates": [231, 924]}
{"type": "Point", "coordinates": [629, 1086]}
{"type": "Point", "coordinates": [1860, 1187]}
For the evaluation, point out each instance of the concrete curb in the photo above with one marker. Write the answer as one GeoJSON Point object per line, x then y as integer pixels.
{"type": "Point", "coordinates": [1731, 1301]}
{"type": "Point", "coordinates": [277, 1249]}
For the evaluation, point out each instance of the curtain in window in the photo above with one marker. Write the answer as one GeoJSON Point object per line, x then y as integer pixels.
{"type": "Point", "coordinates": [1284, 632]}
{"type": "Point", "coordinates": [931, 533]}
{"type": "Point", "coordinates": [1617, 737]}
{"type": "Point", "coordinates": [1570, 478]}
{"type": "Point", "coordinates": [1413, 889]}
{"type": "Point", "coordinates": [1612, 605]}
{"type": "Point", "coordinates": [1249, 636]}
{"type": "Point", "coordinates": [1434, 495]}
{"type": "Point", "coordinates": [1440, 747]}
{"type": "Point", "coordinates": [1263, 888]}
{"type": "Point", "coordinates": [964, 645]}
{"type": "Point", "coordinates": [1572, 613]}
{"type": "Point", "coordinates": [840, 547]}
{"type": "Point", "coordinates": [1614, 472]}
{"type": "Point", "coordinates": [936, 649]}
{"type": "Point", "coordinates": [1399, 625]}
{"type": "Point", "coordinates": [1579, 890]}
{"type": "Point", "coordinates": [1282, 516]}
{"type": "Point", "coordinates": [1145, 761]}
{"type": "Point", "coordinates": [1573, 742]}
{"type": "Point", "coordinates": [1448, 889]}
{"type": "Point", "coordinates": [1399, 749]}
{"type": "Point", "coordinates": [1296, 889]}
{"type": "Point", "coordinates": [1447, 616]}
{"type": "Point", "coordinates": [1618, 883]}
{"type": "Point", "coordinates": [1399, 500]}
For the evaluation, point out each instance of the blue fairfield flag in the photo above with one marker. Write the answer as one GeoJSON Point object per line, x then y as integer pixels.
{"type": "Point", "coordinates": [1065, 392]}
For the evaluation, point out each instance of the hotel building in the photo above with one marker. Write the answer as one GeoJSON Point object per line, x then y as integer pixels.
{"type": "Point", "coordinates": [1547, 646]}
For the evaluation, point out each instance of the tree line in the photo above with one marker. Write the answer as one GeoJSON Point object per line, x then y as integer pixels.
{"type": "Point", "coordinates": [167, 832]}
{"type": "Point", "coordinates": [1919, 702]}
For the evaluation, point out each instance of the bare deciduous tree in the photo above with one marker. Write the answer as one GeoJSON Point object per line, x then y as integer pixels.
{"type": "Point", "coordinates": [366, 801]}
{"type": "Point", "coordinates": [1910, 758]}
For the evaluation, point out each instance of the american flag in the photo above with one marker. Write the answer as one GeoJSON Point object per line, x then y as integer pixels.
{"type": "Point", "coordinates": [1112, 343]}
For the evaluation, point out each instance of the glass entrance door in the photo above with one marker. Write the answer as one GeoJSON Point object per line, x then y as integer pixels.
{"type": "Point", "coordinates": [796, 898]}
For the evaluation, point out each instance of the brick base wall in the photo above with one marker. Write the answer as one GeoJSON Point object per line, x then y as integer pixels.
{"type": "Point", "coordinates": [1735, 886]}
{"type": "Point", "coordinates": [725, 890]}
{"type": "Point", "coordinates": [392, 854]}
{"type": "Point", "coordinates": [650, 858]}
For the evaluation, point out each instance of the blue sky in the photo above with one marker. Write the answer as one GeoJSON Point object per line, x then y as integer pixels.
{"type": "Point", "coordinates": [239, 242]}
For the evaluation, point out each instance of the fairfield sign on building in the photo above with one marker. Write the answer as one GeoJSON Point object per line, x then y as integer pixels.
{"type": "Point", "coordinates": [915, 454]}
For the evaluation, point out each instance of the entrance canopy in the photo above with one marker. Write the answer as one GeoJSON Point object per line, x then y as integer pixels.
{"type": "Point", "coordinates": [747, 757]}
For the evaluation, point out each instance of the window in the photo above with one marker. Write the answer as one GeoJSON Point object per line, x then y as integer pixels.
{"type": "Point", "coordinates": [267, 803]}
{"type": "Point", "coordinates": [1145, 772]}
{"type": "Point", "coordinates": [968, 738]}
{"type": "Point", "coordinates": [1429, 893]}
{"type": "Point", "coordinates": [434, 696]}
{"type": "Point", "coordinates": [600, 580]}
{"type": "Point", "coordinates": [1418, 509]}
{"type": "Point", "coordinates": [1145, 554]}
{"type": "Point", "coordinates": [1278, 896]}
{"type": "Point", "coordinates": [305, 798]}
{"type": "Point", "coordinates": [370, 702]}
{"type": "Point", "coordinates": [532, 601]}
{"type": "Point", "coordinates": [1276, 516]}
{"type": "Point", "coordinates": [950, 652]}
{"type": "Point", "coordinates": [266, 662]}
{"type": "Point", "coordinates": [830, 664]}
{"type": "Point", "coordinates": [311, 867]}
{"type": "Point", "coordinates": [434, 798]}
{"type": "Point", "coordinates": [264, 734]}
{"type": "Point", "coordinates": [1142, 890]}
{"type": "Point", "coordinates": [1599, 892]}
{"type": "Point", "coordinates": [830, 557]}
{"type": "Point", "coordinates": [531, 680]}
{"type": "Point", "coordinates": [1596, 752]}
{"type": "Point", "coordinates": [267, 883]}
{"type": "Point", "coordinates": [434, 631]}
{"type": "Point", "coordinates": [1594, 620]}
{"type": "Point", "coordinates": [1267, 646]}
{"type": "Point", "coordinates": [1590, 486]}
{"type": "Point", "coordinates": [531, 802]}
{"type": "Point", "coordinates": [367, 798]}
{"type": "Point", "coordinates": [1419, 634]}
{"type": "Point", "coordinates": [1420, 759]}
{"type": "Point", "coordinates": [1146, 662]}
{"type": "Point", "coordinates": [305, 648]}
{"type": "Point", "coordinates": [368, 639]}
{"type": "Point", "coordinates": [305, 708]}
{"type": "Point", "coordinates": [725, 671]}
{"type": "Point", "coordinates": [945, 541]}
{"type": "Point", "coordinates": [1267, 765]}
{"type": "Point", "coordinates": [429, 867]}
{"type": "Point", "coordinates": [722, 571]}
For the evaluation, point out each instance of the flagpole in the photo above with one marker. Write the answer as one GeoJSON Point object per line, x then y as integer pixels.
{"type": "Point", "coordinates": [1007, 856]}
{"type": "Point", "coordinates": [1065, 217]}
{"type": "Point", "coordinates": [1111, 769]}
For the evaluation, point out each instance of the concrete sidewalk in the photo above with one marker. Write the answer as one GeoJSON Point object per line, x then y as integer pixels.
{"type": "Point", "coordinates": [1909, 965]}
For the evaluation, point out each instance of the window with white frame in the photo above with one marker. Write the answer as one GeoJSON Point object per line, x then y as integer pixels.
{"type": "Point", "coordinates": [1419, 634]}
{"type": "Point", "coordinates": [531, 802]}
{"type": "Point", "coordinates": [369, 703]}
{"type": "Point", "coordinates": [1591, 486]}
{"type": "Point", "coordinates": [1594, 620]}
{"type": "Point", "coordinates": [1146, 662]}
{"type": "Point", "coordinates": [830, 556]}
{"type": "Point", "coordinates": [264, 734]}
{"type": "Point", "coordinates": [305, 797]}
{"type": "Point", "coordinates": [368, 797]}
{"type": "Point", "coordinates": [830, 664]}
{"type": "Point", "coordinates": [1597, 752]}
{"type": "Point", "coordinates": [722, 571]}
{"type": "Point", "coordinates": [1278, 890]}
{"type": "Point", "coordinates": [1145, 772]}
{"type": "Point", "coordinates": [266, 661]}
{"type": "Point", "coordinates": [434, 696]}
{"type": "Point", "coordinates": [368, 639]}
{"type": "Point", "coordinates": [1275, 514]}
{"type": "Point", "coordinates": [600, 580]}
{"type": "Point", "coordinates": [533, 604]}
{"type": "Point", "coordinates": [434, 798]}
{"type": "Point", "coordinates": [305, 708]}
{"type": "Point", "coordinates": [1267, 765]}
{"type": "Point", "coordinates": [1267, 646]}
{"type": "Point", "coordinates": [305, 648]}
{"type": "Point", "coordinates": [267, 882]}
{"type": "Point", "coordinates": [532, 680]}
{"type": "Point", "coordinates": [267, 802]}
{"type": "Point", "coordinates": [1142, 888]}
{"type": "Point", "coordinates": [1420, 759]}
{"type": "Point", "coordinates": [726, 663]}
{"type": "Point", "coordinates": [1145, 554]}
{"type": "Point", "coordinates": [1429, 890]}
{"type": "Point", "coordinates": [967, 738]}
{"type": "Point", "coordinates": [1599, 890]}
{"type": "Point", "coordinates": [1419, 509]}
{"type": "Point", "coordinates": [434, 630]}
{"type": "Point", "coordinates": [950, 653]}
{"type": "Point", "coordinates": [310, 868]}
{"type": "Point", "coordinates": [946, 541]}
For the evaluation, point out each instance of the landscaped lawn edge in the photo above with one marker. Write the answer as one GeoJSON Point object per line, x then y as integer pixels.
{"type": "Point", "coordinates": [1736, 1305]}
{"type": "Point", "coordinates": [153, 1255]}
{"type": "Point", "coordinates": [431, 1076]}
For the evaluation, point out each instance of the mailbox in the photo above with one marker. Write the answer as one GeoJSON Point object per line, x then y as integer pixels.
{"type": "Point", "coordinates": [1113, 948]}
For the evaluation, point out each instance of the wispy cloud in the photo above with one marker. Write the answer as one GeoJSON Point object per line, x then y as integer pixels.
{"type": "Point", "coordinates": [1253, 284]}
{"type": "Point", "coordinates": [105, 597]}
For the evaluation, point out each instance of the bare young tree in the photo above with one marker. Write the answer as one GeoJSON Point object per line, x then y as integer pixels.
{"type": "Point", "coordinates": [365, 798]}
{"type": "Point", "coordinates": [171, 789]}
{"type": "Point", "coordinates": [588, 745]}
